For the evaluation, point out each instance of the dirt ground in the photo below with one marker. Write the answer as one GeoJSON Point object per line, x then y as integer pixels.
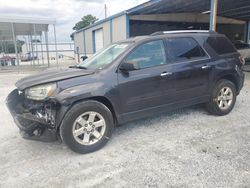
{"type": "Point", "coordinates": [185, 148]}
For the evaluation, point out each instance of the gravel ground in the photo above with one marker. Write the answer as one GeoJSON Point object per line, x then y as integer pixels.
{"type": "Point", "coordinates": [186, 148]}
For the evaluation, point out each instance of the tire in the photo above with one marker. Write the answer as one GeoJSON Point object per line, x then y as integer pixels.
{"type": "Point", "coordinates": [79, 117]}
{"type": "Point", "coordinates": [214, 105]}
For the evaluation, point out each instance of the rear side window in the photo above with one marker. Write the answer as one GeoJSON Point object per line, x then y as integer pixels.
{"type": "Point", "coordinates": [221, 45]}
{"type": "Point", "coordinates": [184, 49]}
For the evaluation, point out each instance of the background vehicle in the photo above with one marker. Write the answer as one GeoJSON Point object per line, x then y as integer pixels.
{"type": "Point", "coordinates": [244, 50]}
{"type": "Point", "coordinates": [28, 57]}
{"type": "Point", "coordinates": [128, 80]}
{"type": "Point", "coordinates": [7, 60]}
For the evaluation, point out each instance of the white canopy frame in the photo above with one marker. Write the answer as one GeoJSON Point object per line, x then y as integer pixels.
{"type": "Point", "coordinates": [13, 26]}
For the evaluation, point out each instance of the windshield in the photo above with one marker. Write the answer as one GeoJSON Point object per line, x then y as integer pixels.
{"type": "Point", "coordinates": [104, 57]}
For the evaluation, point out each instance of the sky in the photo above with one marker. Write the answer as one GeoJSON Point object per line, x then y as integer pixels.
{"type": "Point", "coordinates": [66, 12]}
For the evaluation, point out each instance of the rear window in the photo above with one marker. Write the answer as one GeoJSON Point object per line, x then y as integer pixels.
{"type": "Point", "coordinates": [221, 45]}
{"type": "Point", "coordinates": [183, 49]}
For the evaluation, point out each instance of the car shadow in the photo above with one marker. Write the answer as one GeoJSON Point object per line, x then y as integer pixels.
{"type": "Point", "coordinates": [154, 119]}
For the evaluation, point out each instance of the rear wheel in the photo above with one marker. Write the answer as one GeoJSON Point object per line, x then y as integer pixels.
{"type": "Point", "coordinates": [87, 127]}
{"type": "Point", "coordinates": [223, 98]}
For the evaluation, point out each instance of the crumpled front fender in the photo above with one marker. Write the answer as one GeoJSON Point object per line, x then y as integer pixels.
{"type": "Point", "coordinates": [31, 126]}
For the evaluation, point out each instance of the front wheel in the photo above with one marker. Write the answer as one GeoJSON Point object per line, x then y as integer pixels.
{"type": "Point", "coordinates": [223, 98]}
{"type": "Point", "coordinates": [87, 127]}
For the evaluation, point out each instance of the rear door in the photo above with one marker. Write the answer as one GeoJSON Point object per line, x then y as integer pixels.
{"type": "Point", "coordinates": [191, 67]}
{"type": "Point", "coordinates": [152, 84]}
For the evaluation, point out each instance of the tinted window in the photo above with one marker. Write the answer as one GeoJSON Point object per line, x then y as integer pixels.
{"type": "Point", "coordinates": [221, 45]}
{"type": "Point", "coordinates": [182, 49]}
{"type": "Point", "coordinates": [148, 55]}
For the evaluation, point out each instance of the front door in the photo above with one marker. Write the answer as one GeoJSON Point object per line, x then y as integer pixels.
{"type": "Point", "coordinates": [151, 84]}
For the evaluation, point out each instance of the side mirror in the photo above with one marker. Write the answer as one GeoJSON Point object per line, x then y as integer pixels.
{"type": "Point", "coordinates": [126, 67]}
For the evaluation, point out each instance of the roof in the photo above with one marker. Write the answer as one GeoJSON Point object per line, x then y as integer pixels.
{"type": "Point", "coordinates": [177, 33]}
{"type": "Point", "coordinates": [239, 9]}
{"type": "Point", "coordinates": [29, 20]}
{"type": "Point", "coordinates": [183, 32]}
{"type": "Point", "coordinates": [22, 25]}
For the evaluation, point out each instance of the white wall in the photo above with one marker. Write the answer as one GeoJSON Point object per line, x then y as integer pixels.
{"type": "Point", "coordinates": [79, 42]}
{"type": "Point", "coordinates": [119, 28]}
{"type": "Point", "coordinates": [118, 25]}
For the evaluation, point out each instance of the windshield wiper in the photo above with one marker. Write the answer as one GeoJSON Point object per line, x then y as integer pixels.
{"type": "Point", "coordinates": [77, 67]}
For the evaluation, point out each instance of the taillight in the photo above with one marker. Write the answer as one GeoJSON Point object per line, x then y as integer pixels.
{"type": "Point", "coordinates": [242, 60]}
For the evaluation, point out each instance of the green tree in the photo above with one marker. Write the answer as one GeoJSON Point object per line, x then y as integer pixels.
{"type": "Point", "coordinates": [84, 22]}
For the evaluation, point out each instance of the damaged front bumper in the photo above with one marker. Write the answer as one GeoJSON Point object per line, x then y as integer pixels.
{"type": "Point", "coordinates": [36, 120]}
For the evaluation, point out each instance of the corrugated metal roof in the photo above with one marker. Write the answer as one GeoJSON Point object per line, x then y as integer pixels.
{"type": "Point", "coordinates": [31, 20]}
{"type": "Point", "coordinates": [237, 9]}
{"type": "Point", "coordinates": [22, 25]}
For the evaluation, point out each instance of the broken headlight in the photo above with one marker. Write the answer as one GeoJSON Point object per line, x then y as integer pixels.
{"type": "Point", "coordinates": [40, 92]}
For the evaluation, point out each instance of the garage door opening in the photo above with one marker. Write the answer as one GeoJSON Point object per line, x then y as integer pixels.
{"type": "Point", "coordinates": [98, 39]}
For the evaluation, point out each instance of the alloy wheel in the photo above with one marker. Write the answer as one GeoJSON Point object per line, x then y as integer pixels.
{"type": "Point", "coordinates": [225, 98]}
{"type": "Point", "coordinates": [89, 128]}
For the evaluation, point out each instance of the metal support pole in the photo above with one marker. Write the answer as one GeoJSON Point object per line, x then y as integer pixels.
{"type": "Point", "coordinates": [15, 45]}
{"type": "Point", "coordinates": [47, 46]}
{"type": "Point", "coordinates": [55, 45]}
{"type": "Point", "coordinates": [248, 33]}
{"type": "Point", "coordinates": [29, 43]}
{"type": "Point", "coordinates": [245, 32]}
{"type": "Point", "coordinates": [32, 49]}
{"type": "Point", "coordinates": [213, 15]}
{"type": "Point", "coordinates": [41, 39]}
{"type": "Point", "coordinates": [34, 28]}
{"type": "Point", "coordinates": [2, 48]}
{"type": "Point", "coordinates": [26, 45]}
{"type": "Point", "coordinates": [5, 46]}
{"type": "Point", "coordinates": [105, 10]}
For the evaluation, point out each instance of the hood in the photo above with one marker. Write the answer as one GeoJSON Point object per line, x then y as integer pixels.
{"type": "Point", "coordinates": [51, 76]}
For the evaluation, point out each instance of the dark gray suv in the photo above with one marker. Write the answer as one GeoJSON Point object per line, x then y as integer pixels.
{"type": "Point", "coordinates": [125, 81]}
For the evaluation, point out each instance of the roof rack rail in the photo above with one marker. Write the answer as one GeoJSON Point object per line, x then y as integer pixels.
{"type": "Point", "coordinates": [181, 31]}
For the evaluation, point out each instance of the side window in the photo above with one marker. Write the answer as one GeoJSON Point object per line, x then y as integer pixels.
{"type": "Point", "coordinates": [221, 45]}
{"type": "Point", "coordinates": [148, 55]}
{"type": "Point", "coordinates": [183, 49]}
